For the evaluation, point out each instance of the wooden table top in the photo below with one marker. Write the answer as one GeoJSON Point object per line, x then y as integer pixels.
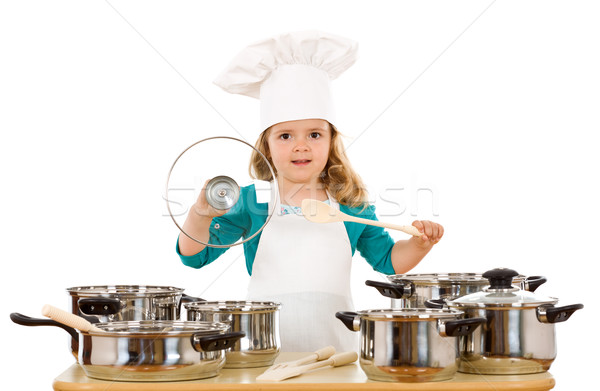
{"type": "Point", "coordinates": [349, 377]}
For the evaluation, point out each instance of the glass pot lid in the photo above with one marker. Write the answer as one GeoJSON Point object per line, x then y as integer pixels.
{"type": "Point", "coordinates": [159, 328]}
{"type": "Point", "coordinates": [410, 314]}
{"type": "Point", "coordinates": [217, 169]}
{"type": "Point", "coordinates": [502, 293]}
{"type": "Point", "coordinates": [124, 290]}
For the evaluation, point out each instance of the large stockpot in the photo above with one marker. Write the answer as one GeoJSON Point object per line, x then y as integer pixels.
{"type": "Point", "coordinates": [257, 319]}
{"type": "Point", "coordinates": [149, 350]}
{"type": "Point", "coordinates": [414, 290]}
{"type": "Point", "coordinates": [518, 336]}
{"type": "Point", "coordinates": [110, 303]}
{"type": "Point", "coordinates": [409, 345]}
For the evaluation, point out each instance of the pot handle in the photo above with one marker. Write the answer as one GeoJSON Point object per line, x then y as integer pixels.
{"type": "Point", "coordinates": [531, 283]}
{"type": "Point", "coordinates": [350, 319]}
{"type": "Point", "coordinates": [211, 343]}
{"type": "Point", "coordinates": [187, 299]}
{"type": "Point", "coordinates": [460, 327]}
{"type": "Point", "coordinates": [99, 306]}
{"type": "Point", "coordinates": [190, 299]}
{"type": "Point", "coordinates": [401, 289]}
{"type": "Point", "coordinates": [552, 314]}
{"type": "Point", "coordinates": [435, 303]}
{"type": "Point", "coordinates": [28, 321]}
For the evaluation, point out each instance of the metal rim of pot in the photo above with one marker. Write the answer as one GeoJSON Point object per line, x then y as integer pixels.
{"type": "Point", "coordinates": [234, 307]}
{"type": "Point", "coordinates": [149, 328]}
{"type": "Point", "coordinates": [450, 321]}
{"type": "Point", "coordinates": [124, 290]}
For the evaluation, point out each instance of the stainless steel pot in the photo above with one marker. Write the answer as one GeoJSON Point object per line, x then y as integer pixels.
{"type": "Point", "coordinates": [518, 336]}
{"type": "Point", "coordinates": [149, 350]}
{"type": "Point", "coordinates": [111, 303]}
{"type": "Point", "coordinates": [409, 345]}
{"type": "Point", "coordinates": [413, 290]}
{"type": "Point", "coordinates": [258, 320]}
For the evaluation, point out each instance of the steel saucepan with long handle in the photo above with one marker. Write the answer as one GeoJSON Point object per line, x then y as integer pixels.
{"type": "Point", "coordinates": [147, 350]}
{"type": "Point", "coordinates": [414, 290]}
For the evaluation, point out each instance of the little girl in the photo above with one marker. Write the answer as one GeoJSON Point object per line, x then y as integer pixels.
{"type": "Point", "coordinates": [303, 265]}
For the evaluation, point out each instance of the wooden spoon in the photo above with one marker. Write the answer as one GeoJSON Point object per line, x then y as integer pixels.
{"type": "Point", "coordinates": [320, 212]}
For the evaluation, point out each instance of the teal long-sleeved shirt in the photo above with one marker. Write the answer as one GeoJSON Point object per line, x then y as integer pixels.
{"type": "Point", "coordinates": [246, 218]}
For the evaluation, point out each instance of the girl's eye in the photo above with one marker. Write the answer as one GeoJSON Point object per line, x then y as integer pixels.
{"type": "Point", "coordinates": [285, 136]}
{"type": "Point", "coordinates": [315, 135]}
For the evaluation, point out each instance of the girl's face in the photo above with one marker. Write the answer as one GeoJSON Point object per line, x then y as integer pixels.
{"type": "Point", "coordinates": [300, 149]}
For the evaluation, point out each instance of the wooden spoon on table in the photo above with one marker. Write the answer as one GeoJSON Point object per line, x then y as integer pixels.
{"type": "Point", "coordinates": [320, 212]}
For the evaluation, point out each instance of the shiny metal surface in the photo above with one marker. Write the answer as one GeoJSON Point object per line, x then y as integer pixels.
{"type": "Point", "coordinates": [260, 322]}
{"type": "Point", "coordinates": [149, 351]}
{"type": "Point", "coordinates": [513, 341]}
{"type": "Point", "coordinates": [137, 302]}
{"type": "Point", "coordinates": [406, 351]}
{"type": "Point", "coordinates": [222, 192]}
{"type": "Point", "coordinates": [447, 286]}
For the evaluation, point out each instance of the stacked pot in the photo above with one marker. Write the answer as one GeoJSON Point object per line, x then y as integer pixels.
{"type": "Point", "coordinates": [491, 323]}
{"type": "Point", "coordinates": [137, 334]}
{"type": "Point", "coordinates": [518, 336]}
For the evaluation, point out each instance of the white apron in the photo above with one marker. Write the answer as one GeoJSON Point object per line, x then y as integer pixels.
{"type": "Point", "coordinates": [306, 267]}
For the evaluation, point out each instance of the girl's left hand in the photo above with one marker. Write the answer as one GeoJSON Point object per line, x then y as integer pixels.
{"type": "Point", "coordinates": [432, 232]}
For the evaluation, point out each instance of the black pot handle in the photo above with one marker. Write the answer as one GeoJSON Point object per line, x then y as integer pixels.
{"type": "Point", "coordinates": [400, 289]}
{"type": "Point", "coordinates": [27, 321]}
{"type": "Point", "coordinates": [348, 318]}
{"type": "Point", "coordinates": [436, 303]}
{"type": "Point", "coordinates": [190, 299]}
{"type": "Point", "coordinates": [531, 283]}
{"type": "Point", "coordinates": [211, 343]}
{"type": "Point", "coordinates": [187, 299]}
{"type": "Point", "coordinates": [455, 328]}
{"type": "Point", "coordinates": [552, 314]}
{"type": "Point", "coordinates": [99, 306]}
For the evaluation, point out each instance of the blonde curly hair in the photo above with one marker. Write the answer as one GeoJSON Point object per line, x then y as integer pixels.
{"type": "Point", "coordinates": [340, 180]}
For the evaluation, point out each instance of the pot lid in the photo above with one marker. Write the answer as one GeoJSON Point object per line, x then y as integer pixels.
{"type": "Point", "coordinates": [447, 278]}
{"type": "Point", "coordinates": [410, 314]}
{"type": "Point", "coordinates": [502, 293]}
{"type": "Point", "coordinates": [232, 306]}
{"type": "Point", "coordinates": [158, 328]}
{"type": "Point", "coordinates": [124, 290]}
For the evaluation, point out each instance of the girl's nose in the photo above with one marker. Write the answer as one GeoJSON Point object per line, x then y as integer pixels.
{"type": "Point", "coordinates": [300, 146]}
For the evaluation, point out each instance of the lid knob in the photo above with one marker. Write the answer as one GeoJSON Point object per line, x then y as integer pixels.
{"type": "Point", "coordinates": [500, 278]}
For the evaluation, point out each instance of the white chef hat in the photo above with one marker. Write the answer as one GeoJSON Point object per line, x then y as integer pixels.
{"type": "Point", "coordinates": [290, 74]}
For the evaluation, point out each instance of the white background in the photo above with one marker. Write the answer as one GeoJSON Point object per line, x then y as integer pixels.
{"type": "Point", "coordinates": [495, 112]}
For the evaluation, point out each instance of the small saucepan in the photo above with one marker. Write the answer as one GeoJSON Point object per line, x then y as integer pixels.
{"type": "Point", "coordinates": [259, 320]}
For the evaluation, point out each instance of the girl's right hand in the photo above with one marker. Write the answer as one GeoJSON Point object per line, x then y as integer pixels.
{"type": "Point", "coordinates": [203, 208]}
